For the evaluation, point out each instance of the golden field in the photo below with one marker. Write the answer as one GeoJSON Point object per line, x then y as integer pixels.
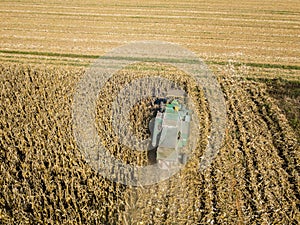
{"type": "Point", "coordinates": [253, 49]}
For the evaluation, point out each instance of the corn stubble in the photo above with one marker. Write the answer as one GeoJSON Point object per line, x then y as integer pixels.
{"type": "Point", "coordinates": [44, 179]}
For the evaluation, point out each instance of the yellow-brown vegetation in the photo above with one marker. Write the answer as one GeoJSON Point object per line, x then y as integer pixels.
{"type": "Point", "coordinates": [44, 178]}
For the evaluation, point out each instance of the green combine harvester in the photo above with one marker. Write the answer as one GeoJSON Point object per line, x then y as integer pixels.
{"type": "Point", "coordinates": [170, 130]}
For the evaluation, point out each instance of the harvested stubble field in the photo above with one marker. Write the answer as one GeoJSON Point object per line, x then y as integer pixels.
{"type": "Point", "coordinates": [44, 48]}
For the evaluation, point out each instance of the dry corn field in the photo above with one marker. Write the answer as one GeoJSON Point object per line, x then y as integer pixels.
{"type": "Point", "coordinates": [252, 48]}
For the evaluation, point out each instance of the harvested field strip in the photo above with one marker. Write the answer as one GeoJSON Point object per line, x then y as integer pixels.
{"type": "Point", "coordinates": [44, 60]}
{"type": "Point", "coordinates": [277, 39]}
{"type": "Point", "coordinates": [152, 8]}
{"type": "Point", "coordinates": [274, 22]}
{"type": "Point", "coordinates": [50, 54]}
{"type": "Point", "coordinates": [247, 33]}
{"type": "Point", "coordinates": [219, 68]}
{"type": "Point", "coordinates": [259, 65]}
{"type": "Point", "coordinates": [79, 56]}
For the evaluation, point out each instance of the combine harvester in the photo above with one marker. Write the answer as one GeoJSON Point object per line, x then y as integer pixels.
{"type": "Point", "coordinates": [170, 129]}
